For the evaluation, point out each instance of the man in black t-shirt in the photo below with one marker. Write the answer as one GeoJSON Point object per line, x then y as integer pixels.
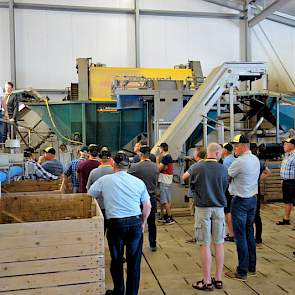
{"type": "Point", "coordinates": [148, 172]}
{"type": "Point", "coordinates": [208, 183]}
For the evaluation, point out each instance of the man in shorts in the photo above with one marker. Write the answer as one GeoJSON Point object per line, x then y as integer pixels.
{"type": "Point", "coordinates": [288, 175]}
{"type": "Point", "coordinates": [208, 183]}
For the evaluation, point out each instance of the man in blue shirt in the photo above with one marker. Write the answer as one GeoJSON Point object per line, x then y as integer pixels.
{"type": "Point", "coordinates": [123, 195]}
{"type": "Point", "coordinates": [244, 174]}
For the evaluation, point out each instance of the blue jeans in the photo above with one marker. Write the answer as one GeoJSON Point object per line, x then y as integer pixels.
{"type": "Point", "coordinates": [125, 232]}
{"type": "Point", "coordinates": [2, 129]}
{"type": "Point", "coordinates": [243, 214]}
{"type": "Point", "coordinates": [151, 221]}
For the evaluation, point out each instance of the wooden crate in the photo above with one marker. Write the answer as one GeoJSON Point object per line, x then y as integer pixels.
{"type": "Point", "coordinates": [32, 186]}
{"type": "Point", "coordinates": [271, 187]}
{"type": "Point", "coordinates": [51, 244]}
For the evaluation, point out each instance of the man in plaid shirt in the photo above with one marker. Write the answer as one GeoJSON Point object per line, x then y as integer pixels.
{"type": "Point", "coordinates": [71, 170]}
{"type": "Point", "coordinates": [288, 176]}
{"type": "Point", "coordinates": [34, 170]}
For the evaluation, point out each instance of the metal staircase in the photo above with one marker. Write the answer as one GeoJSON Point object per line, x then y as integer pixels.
{"type": "Point", "coordinates": [225, 76]}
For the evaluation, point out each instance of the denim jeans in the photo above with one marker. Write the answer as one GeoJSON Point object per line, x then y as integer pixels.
{"type": "Point", "coordinates": [258, 222]}
{"type": "Point", "coordinates": [151, 221]}
{"type": "Point", "coordinates": [125, 232]}
{"type": "Point", "coordinates": [2, 129]}
{"type": "Point", "coordinates": [243, 214]}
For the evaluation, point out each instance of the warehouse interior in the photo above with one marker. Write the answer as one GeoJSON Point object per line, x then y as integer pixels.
{"type": "Point", "coordinates": [87, 75]}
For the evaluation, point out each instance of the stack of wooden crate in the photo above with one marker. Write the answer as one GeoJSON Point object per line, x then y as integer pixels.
{"type": "Point", "coordinates": [32, 186]}
{"type": "Point", "coordinates": [51, 244]}
{"type": "Point", "coordinates": [271, 187]}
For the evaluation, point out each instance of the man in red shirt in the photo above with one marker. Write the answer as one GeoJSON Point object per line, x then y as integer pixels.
{"type": "Point", "coordinates": [165, 166]}
{"type": "Point", "coordinates": [85, 167]}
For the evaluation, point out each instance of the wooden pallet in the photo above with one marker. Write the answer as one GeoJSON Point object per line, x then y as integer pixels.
{"type": "Point", "coordinates": [271, 187]}
{"type": "Point", "coordinates": [51, 244]}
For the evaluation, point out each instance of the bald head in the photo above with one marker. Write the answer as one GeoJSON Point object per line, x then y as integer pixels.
{"type": "Point", "coordinates": [214, 151]}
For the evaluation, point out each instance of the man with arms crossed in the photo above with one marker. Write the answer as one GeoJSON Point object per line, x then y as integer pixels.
{"type": "Point", "coordinates": [244, 173]}
{"type": "Point", "coordinates": [208, 183]}
{"type": "Point", "coordinates": [123, 194]}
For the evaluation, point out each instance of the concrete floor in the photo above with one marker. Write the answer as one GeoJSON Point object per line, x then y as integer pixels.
{"type": "Point", "coordinates": [176, 265]}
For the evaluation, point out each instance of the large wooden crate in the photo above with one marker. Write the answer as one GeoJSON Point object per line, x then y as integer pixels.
{"type": "Point", "coordinates": [51, 244]}
{"type": "Point", "coordinates": [271, 187]}
{"type": "Point", "coordinates": [32, 185]}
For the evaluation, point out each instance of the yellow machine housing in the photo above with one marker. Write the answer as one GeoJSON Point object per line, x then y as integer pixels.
{"type": "Point", "coordinates": [100, 78]}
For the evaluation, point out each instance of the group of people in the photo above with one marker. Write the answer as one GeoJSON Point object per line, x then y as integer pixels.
{"type": "Point", "coordinates": [224, 185]}
{"type": "Point", "coordinates": [230, 191]}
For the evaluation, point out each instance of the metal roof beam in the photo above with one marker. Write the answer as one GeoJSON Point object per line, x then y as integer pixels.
{"type": "Point", "coordinates": [54, 7]}
{"type": "Point", "coordinates": [157, 12]}
{"type": "Point", "coordinates": [228, 4]}
{"type": "Point", "coordinates": [267, 12]}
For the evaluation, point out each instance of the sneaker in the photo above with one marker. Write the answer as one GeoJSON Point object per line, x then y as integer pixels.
{"type": "Point", "coordinates": [169, 220]}
{"type": "Point", "coordinates": [252, 273]}
{"type": "Point", "coordinates": [163, 218]}
{"type": "Point", "coordinates": [259, 246]}
{"type": "Point", "coordinates": [283, 222]}
{"type": "Point", "coordinates": [109, 292]}
{"type": "Point", "coordinates": [229, 239]}
{"type": "Point", "coordinates": [235, 276]}
{"type": "Point", "coordinates": [153, 249]}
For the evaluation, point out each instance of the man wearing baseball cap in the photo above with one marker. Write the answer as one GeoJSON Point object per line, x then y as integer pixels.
{"type": "Point", "coordinates": [51, 164]}
{"type": "Point", "coordinates": [244, 175]}
{"type": "Point", "coordinates": [123, 195]}
{"type": "Point", "coordinates": [288, 175]}
{"type": "Point", "coordinates": [148, 172]}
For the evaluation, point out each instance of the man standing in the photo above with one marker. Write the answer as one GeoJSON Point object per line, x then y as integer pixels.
{"type": "Point", "coordinates": [71, 170]}
{"type": "Point", "coordinates": [208, 181]}
{"type": "Point", "coordinates": [228, 158]}
{"type": "Point", "coordinates": [3, 115]}
{"type": "Point", "coordinates": [136, 150]}
{"type": "Point", "coordinates": [244, 175]}
{"type": "Point", "coordinates": [288, 176]}
{"type": "Point", "coordinates": [51, 164]}
{"type": "Point", "coordinates": [11, 101]}
{"type": "Point", "coordinates": [34, 170]}
{"type": "Point", "coordinates": [147, 171]}
{"type": "Point", "coordinates": [85, 167]}
{"type": "Point", "coordinates": [123, 194]}
{"type": "Point", "coordinates": [165, 166]}
{"type": "Point", "coordinates": [105, 168]}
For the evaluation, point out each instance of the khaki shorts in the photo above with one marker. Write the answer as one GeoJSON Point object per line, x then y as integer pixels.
{"type": "Point", "coordinates": [209, 221]}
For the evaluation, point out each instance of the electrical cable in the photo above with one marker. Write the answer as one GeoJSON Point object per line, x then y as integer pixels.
{"type": "Point", "coordinates": [54, 125]}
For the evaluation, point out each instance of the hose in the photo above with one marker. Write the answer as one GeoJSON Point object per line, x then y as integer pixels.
{"type": "Point", "coordinates": [54, 125]}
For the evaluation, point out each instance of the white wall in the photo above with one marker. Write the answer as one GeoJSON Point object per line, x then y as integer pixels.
{"type": "Point", "coordinates": [169, 41]}
{"type": "Point", "coordinates": [272, 43]}
{"type": "Point", "coordinates": [4, 47]}
{"type": "Point", "coordinates": [48, 42]}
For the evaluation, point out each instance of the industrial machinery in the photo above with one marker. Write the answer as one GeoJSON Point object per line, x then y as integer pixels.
{"type": "Point", "coordinates": [115, 106]}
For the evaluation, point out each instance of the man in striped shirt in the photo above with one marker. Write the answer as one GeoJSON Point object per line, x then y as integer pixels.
{"type": "Point", "coordinates": [34, 170]}
{"type": "Point", "coordinates": [288, 176]}
{"type": "Point", "coordinates": [72, 169]}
